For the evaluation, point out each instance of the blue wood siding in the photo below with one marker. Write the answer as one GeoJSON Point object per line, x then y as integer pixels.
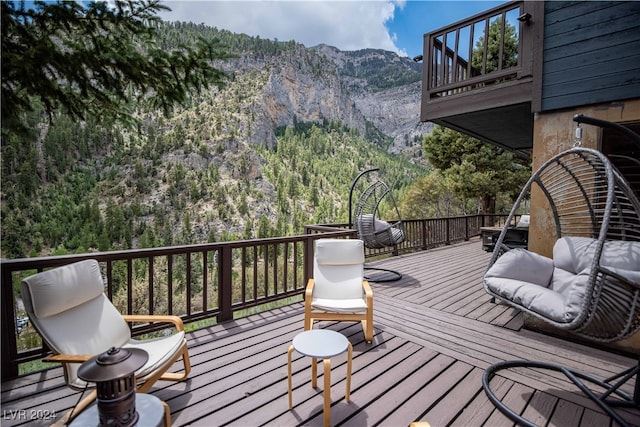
{"type": "Point", "coordinates": [591, 53]}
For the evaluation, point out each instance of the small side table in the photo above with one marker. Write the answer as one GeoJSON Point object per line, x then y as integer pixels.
{"type": "Point", "coordinates": [324, 344]}
{"type": "Point", "coordinates": [152, 412]}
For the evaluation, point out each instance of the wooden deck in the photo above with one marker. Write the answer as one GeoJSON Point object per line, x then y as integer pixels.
{"type": "Point", "coordinates": [435, 333]}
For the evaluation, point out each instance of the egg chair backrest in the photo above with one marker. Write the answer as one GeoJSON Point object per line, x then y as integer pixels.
{"type": "Point", "coordinates": [375, 233]}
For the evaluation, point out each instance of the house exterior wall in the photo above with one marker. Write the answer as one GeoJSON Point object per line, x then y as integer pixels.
{"type": "Point", "coordinates": [591, 53]}
{"type": "Point", "coordinates": [553, 132]}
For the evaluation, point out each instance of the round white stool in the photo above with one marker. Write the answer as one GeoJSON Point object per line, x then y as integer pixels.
{"type": "Point", "coordinates": [324, 344]}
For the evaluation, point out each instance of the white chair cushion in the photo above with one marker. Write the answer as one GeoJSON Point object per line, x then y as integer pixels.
{"type": "Point", "coordinates": [339, 251]}
{"type": "Point", "coordinates": [352, 305]}
{"type": "Point", "coordinates": [338, 269]}
{"type": "Point", "coordinates": [379, 225]}
{"type": "Point", "coordinates": [62, 288]}
{"type": "Point", "coordinates": [338, 282]}
{"type": "Point", "coordinates": [528, 279]}
{"type": "Point", "coordinates": [73, 334]}
{"type": "Point", "coordinates": [623, 255]}
{"type": "Point", "coordinates": [160, 351]}
{"type": "Point", "coordinates": [523, 222]}
{"type": "Point", "coordinates": [534, 297]}
{"type": "Point", "coordinates": [573, 254]}
{"type": "Point", "coordinates": [370, 224]}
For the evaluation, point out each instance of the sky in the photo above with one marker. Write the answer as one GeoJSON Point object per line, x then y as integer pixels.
{"type": "Point", "coordinates": [394, 25]}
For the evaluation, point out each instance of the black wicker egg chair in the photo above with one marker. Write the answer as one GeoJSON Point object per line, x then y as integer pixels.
{"type": "Point", "coordinates": [374, 232]}
{"type": "Point", "coordinates": [591, 286]}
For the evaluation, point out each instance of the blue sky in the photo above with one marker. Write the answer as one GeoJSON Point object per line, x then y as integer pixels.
{"type": "Point", "coordinates": [395, 25]}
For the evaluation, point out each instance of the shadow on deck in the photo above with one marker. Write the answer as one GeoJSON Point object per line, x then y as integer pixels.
{"type": "Point", "coordinates": [435, 333]}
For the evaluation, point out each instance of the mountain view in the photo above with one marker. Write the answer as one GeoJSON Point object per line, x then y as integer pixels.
{"type": "Point", "coordinates": [274, 149]}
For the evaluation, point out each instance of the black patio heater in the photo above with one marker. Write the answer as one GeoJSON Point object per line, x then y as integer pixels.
{"type": "Point", "coordinates": [114, 374]}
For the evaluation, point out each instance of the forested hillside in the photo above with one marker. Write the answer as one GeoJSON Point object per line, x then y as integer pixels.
{"type": "Point", "coordinates": [273, 150]}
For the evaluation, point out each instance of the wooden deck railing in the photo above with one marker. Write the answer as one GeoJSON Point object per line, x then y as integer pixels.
{"type": "Point", "coordinates": [204, 281]}
{"type": "Point", "coordinates": [482, 50]}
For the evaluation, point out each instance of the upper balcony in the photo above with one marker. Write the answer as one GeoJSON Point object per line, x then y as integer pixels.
{"type": "Point", "coordinates": [478, 74]}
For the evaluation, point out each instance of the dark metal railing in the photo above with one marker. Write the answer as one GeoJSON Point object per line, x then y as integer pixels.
{"type": "Point", "coordinates": [208, 281]}
{"type": "Point", "coordinates": [479, 51]}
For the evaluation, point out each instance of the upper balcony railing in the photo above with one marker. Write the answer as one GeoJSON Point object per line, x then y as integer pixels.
{"type": "Point", "coordinates": [479, 51]}
{"type": "Point", "coordinates": [204, 281]}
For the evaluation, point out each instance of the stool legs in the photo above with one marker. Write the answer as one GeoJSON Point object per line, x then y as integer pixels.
{"type": "Point", "coordinates": [327, 392]}
{"type": "Point", "coordinates": [327, 381]}
{"type": "Point", "coordinates": [314, 372]}
{"type": "Point", "coordinates": [347, 394]}
{"type": "Point", "coordinates": [289, 376]}
{"type": "Point", "coordinates": [167, 414]}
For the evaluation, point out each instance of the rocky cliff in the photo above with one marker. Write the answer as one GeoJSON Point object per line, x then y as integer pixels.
{"type": "Point", "coordinates": [365, 89]}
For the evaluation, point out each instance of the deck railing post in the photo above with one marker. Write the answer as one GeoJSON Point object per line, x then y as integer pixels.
{"type": "Point", "coordinates": [9, 344]}
{"type": "Point", "coordinates": [424, 234]}
{"type": "Point", "coordinates": [466, 228]}
{"type": "Point", "coordinates": [225, 269]}
{"type": "Point", "coordinates": [308, 259]}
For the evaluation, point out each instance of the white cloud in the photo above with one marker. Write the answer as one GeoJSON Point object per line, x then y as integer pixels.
{"type": "Point", "coordinates": [347, 25]}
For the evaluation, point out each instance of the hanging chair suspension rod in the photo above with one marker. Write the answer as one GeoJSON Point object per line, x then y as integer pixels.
{"type": "Point", "coordinates": [353, 186]}
{"type": "Point", "coordinates": [635, 138]}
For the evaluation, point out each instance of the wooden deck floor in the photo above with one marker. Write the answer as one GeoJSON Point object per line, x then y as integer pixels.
{"type": "Point", "coordinates": [435, 333]}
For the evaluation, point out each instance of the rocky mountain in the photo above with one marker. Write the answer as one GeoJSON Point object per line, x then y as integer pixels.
{"type": "Point", "coordinates": [374, 91]}
{"type": "Point", "coordinates": [386, 88]}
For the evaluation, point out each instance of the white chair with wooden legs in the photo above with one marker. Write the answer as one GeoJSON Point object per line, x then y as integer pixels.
{"type": "Point", "coordinates": [338, 290]}
{"type": "Point", "coordinates": [68, 308]}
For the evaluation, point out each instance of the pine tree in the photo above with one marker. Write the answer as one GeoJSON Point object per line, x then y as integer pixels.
{"type": "Point", "coordinates": [475, 169]}
{"type": "Point", "coordinates": [94, 59]}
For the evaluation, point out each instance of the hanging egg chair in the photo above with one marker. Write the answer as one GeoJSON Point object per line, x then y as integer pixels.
{"type": "Point", "coordinates": [591, 284]}
{"type": "Point", "coordinates": [373, 231]}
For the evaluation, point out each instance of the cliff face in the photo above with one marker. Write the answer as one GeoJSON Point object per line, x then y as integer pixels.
{"type": "Point", "coordinates": [362, 89]}
{"type": "Point", "coordinates": [386, 89]}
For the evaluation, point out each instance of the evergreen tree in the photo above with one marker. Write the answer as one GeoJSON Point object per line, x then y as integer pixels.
{"type": "Point", "coordinates": [475, 169]}
{"type": "Point", "coordinates": [509, 49]}
{"type": "Point", "coordinates": [92, 59]}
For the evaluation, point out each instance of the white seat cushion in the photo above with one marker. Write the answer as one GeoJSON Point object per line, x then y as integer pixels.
{"type": "Point", "coordinates": [160, 351]}
{"type": "Point", "coordinates": [353, 305]}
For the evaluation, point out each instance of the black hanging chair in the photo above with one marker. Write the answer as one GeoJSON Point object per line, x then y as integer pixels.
{"type": "Point", "coordinates": [591, 286]}
{"type": "Point", "coordinates": [374, 232]}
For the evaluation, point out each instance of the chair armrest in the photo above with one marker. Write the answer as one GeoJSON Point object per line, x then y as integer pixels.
{"type": "Point", "coordinates": [177, 321]}
{"type": "Point", "coordinates": [68, 358]}
{"type": "Point", "coordinates": [308, 292]}
{"type": "Point", "coordinates": [368, 293]}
